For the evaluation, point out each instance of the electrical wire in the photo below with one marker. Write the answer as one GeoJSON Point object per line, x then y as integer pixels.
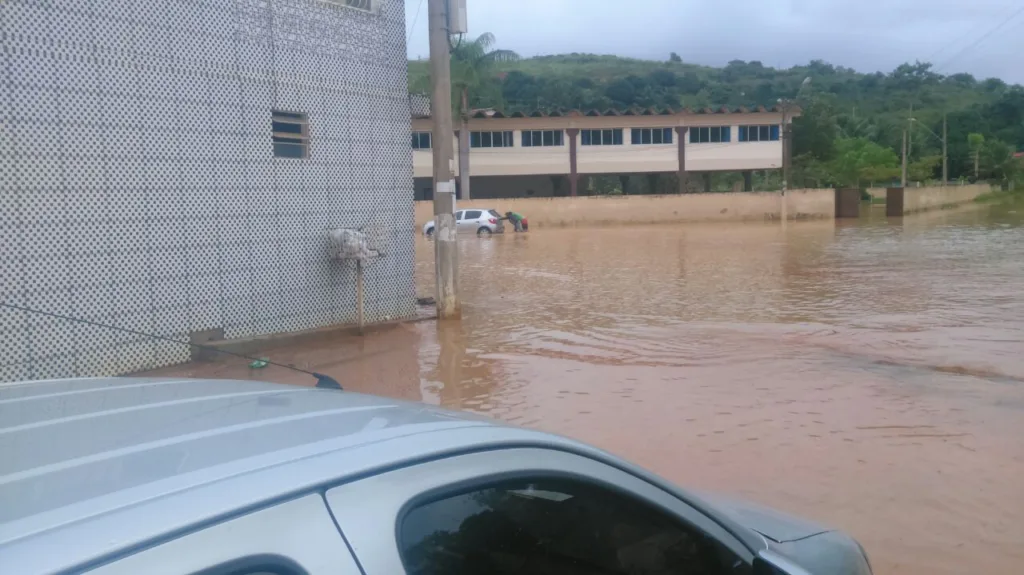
{"type": "Point", "coordinates": [415, 19]}
{"type": "Point", "coordinates": [983, 37]}
{"type": "Point", "coordinates": [946, 45]}
{"type": "Point", "coordinates": [322, 381]}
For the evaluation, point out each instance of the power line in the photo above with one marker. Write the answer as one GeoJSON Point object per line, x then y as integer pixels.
{"type": "Point", "coordinates": [946, 45]}
{"type": "Point", "coordinates": [983, 37]}
{"type": "Point", "coordinates": [414, 20]}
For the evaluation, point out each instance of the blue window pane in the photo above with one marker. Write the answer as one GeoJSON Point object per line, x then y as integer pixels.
{"type": "Point", "coordinates": [655, 136]}
{"type": "Point", "coordinates": [287, 127]}
{"type": "Point", "coordinates": [526, 139]}
{"type": "Point", "coordinates": [474, 139]}
{"type": "Point", "coordinates": [726, 133]}
{"type": "Point", "coordinates": [617, 137]}
{"type": "Point", "coordinates": [289, 150]}
{"type": "Point", "coordinates": [743, 133]}
{"type": "Point", "coordinates": [668, 135]}
{"type": "Point", "coordinates": [558, 137]}
{"type": "Point", "coordinates": [634, 136]}
{"type": "Point", "coordinates": [694, 135]}
{"type": "Point", "coordinates": [775, 133]}
{"type": "Point", "coordinates": [586, 137]}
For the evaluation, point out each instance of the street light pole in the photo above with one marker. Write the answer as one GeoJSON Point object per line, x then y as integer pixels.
{"type": "Point", "coordinates": [446, 255]}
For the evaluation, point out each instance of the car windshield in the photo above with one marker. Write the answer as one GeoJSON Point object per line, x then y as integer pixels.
{"type": "Point", "coordinates": [494, 213]}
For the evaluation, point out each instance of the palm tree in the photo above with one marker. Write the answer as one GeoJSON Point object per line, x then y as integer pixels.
{"type": "Point", "coordinates": [472, 64]}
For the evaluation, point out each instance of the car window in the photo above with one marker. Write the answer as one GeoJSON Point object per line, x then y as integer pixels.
{"type": "Point", "coordinates": [458, 216]}
{"type": "Point", "coordinates": [494, 213]}
{"type": "Point", "coordinates": [473, 214]}
{"type": "Point", "coordinates": [554, 526]}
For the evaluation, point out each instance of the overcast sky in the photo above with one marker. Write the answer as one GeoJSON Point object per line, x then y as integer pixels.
{"type": "Point", "coordinates": [867, 35]}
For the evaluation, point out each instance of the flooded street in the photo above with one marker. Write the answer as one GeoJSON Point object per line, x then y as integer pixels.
{"type": "Point", "coordinates": [868, 374]}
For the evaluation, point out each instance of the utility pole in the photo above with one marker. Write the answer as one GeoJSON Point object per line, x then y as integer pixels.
{"type": "Point", "coordinates": [446, 254]}
{"type": "Point", "coordinates": [945, 155]}
{"type": "Point", "coordinates": [787, 137]}
{"type": "Point", "coordinates": [910, 132]}
{"type": "Point", "coordinates": [903, 172]}
{"type": "Point", "coordinates": [787, 140]}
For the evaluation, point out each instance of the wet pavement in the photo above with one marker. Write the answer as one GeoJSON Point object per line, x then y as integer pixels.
{"type": "Point", "coordinates": [867, 374]}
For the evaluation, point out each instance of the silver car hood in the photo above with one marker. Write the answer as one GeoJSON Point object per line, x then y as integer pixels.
{"type": "Point", "coordinates": [775, 525]}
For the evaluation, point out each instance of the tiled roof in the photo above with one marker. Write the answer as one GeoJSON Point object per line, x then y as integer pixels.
{"type": "Point", "coordinates": [633, 112]}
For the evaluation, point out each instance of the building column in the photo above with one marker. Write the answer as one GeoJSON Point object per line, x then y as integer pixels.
{"type": "Point", "coordinates": [624, 182]}
{"type": "Point", "coordinates": [748, 181]}
{"type": "Point", "coordinates": [681, 146]}
{"type": "Point", "coordinates": [707, 182]}
{"type": "Point", "coordinates": [574, 176]}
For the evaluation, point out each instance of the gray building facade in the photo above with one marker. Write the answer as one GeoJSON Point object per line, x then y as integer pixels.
{"type": "Point", "coordinates": [173, 166]}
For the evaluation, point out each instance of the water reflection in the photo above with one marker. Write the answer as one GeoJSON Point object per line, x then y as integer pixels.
{"type": "Point", "coordinates": [867, 373]}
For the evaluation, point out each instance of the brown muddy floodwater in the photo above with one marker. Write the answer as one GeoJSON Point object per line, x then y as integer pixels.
{"type": "Point", "coordinates": [866, 374]}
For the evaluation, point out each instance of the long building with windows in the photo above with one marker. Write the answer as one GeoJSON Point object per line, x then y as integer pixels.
{"type": "Point", "coordinates": [541, 154]}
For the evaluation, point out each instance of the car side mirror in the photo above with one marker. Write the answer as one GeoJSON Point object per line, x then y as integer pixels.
{"type": "Point", "coordinates": [771, 563]}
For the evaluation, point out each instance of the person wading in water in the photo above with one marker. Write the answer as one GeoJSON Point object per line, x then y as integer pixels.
{"type": "Point", "coordinates": [517, 220]}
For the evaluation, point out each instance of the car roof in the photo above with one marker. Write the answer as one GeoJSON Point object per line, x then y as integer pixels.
{"type": "Point", "coordinates": [108, 455]}
{"type": "Point", "coordinates": [99, 467]}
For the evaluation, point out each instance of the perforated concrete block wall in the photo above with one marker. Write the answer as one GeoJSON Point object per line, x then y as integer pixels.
{"type": "Point", "coordinates": [140, 189]}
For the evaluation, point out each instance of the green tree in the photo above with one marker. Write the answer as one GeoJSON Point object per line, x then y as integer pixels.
{"type": "Point", "coordinates": [860, 160]}
{"type": "Point", "coordinates": [673, 57]}
{"type": "Point", "coordinates": [473, 65]}
{"type": "Point", "coordinates": [815, 131]}
{"type": "Point", "coordinates": [924, 168]}
{"type": "Point", "coordinates": [997, 162]}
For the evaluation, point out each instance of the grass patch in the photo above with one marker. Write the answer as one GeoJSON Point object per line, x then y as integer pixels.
{"type": "Point", "coordinates": [999, 196]}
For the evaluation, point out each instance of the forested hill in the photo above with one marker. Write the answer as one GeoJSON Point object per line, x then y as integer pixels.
{"type": "Point", "coordinates": [839, 103]}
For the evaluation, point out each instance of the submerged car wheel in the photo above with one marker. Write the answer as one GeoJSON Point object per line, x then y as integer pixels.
{"type": "Point", "coordinates": [484, 231]}
{"type": "Point", "coordinates": [430, 232]}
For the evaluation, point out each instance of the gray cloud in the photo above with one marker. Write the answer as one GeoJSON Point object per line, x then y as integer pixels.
{"type": "Point", "coordinates": [866, 35]}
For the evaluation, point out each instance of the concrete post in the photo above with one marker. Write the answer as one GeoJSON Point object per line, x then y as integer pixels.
{"type": "Point", "coordinates": [707, 182]}
{"type": "Point", "coordinates": [574, 176]}
{"type": "Point", "coordinates": [748, 181]}
{"type": "Point", "coordinates": [624, 182]}
{"type": "Point", "coordinates": [681, 166]}
{"type": "Point", "coordinates": [463, 135]}
{"type": "Point", "coordinates": [446, 255]}
{"type": "Point", "coordinates": [894, 202]}
{"type": "Point", "coordinates": [847, 202]}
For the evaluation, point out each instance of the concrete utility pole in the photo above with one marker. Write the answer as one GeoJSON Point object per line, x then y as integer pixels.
{"type": "Point", "coordinates": [910, 132]}
{"type": "Point", "coordinates": [945, 155]}
{"type": "Point", "coordinates": [446, 254]}
{"type": "Point", "coordinates": [903, 172]}
{"type": "Point", "coordinates": [787, 152]}
{"type": "Point", "coordinates": [787, 142]}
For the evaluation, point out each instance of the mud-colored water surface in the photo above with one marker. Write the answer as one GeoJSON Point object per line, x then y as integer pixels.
{"type": "Point", "coordinates": [868, 375]}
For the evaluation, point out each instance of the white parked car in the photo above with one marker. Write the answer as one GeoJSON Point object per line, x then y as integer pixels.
{"type": "Point", "coordinates": [479, 222]}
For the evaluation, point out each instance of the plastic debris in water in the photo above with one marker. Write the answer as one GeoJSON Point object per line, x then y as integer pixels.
{"type": "Point", "coordinates": [259, 363]}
